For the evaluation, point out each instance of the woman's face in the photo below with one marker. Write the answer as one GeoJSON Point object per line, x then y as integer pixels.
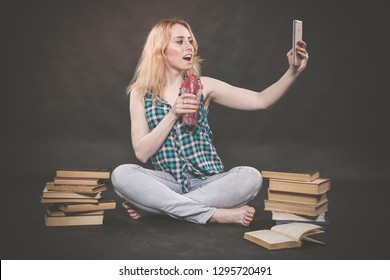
{"type": "Point", "coordinates": [180, 51]}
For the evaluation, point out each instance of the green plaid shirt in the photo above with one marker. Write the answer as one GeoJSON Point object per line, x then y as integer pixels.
{"type": "Point", "coordinates": [184, 150]}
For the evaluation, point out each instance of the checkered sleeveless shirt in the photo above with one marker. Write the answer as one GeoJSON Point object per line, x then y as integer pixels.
{"type": "Point", "coordinates": [184, 150]}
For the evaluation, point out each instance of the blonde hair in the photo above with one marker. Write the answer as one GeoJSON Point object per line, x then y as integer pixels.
{"type": "Point", "coordinates": [149, 74]}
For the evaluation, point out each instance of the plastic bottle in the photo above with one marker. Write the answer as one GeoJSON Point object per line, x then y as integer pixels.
{"type": "Point", "coordinates": [192, 85]}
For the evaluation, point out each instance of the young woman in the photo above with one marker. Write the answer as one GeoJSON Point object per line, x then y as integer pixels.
{"type": "Point", "coordinates": [188, 181]}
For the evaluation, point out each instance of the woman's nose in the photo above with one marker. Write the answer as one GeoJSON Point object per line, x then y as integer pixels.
{"type": "Point", "coordinates": [189, 46]}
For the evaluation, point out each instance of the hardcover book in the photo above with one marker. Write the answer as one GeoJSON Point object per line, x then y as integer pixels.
{"type": "Point", "coordinates": [325, 224]}
{"type": "Point", "coordinates": [59, 194]}
{"type": "Point", "coordinates": [85, 189]}
{"type": "Point", "coordinates": [83, 173]}
{"type": "Point", "coordinates": [106, 205]}
{"type": "Point", "coordinates": [296, 208]}
{"type": "Point", "coordinates": [304, 175]}
{"type": "Point", "coordinates": [317, 186]}
{"type": "Point", "coordinates": [68, 200]}
{"type": "Point", "coordinates": [76, 181]}
{"type": "Point", "coordinates": [310, 199]}
{"type": "Point", "coordinates": [54, 211]}
{"type": "Point", "coordinates": [52, 221]}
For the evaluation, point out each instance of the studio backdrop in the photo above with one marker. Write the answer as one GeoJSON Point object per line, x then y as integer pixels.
{"type": "Point", "coordinates": [66, 65]}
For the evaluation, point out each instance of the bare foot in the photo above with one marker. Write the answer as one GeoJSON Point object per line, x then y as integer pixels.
{"type": "Point", "coordinates": [242, 215]}
{"type": "Point", "coordinates": [130, 210]}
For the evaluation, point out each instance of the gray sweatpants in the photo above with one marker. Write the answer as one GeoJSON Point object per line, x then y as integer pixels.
{"type": "Point", "coordinates": [158, 192]}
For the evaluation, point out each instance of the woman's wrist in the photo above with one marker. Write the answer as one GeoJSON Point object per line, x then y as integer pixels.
{"type": "Point", "coordinates": [292, 72]}
{"type": "Point", "coordinates": [172, 116]}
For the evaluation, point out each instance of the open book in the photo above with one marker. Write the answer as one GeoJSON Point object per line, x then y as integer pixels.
{"type": "Point", "coordinates": [284, 236]}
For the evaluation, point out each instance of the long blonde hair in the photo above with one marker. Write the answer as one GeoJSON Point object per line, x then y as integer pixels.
{"type": "Point", "coordinates": [149, 74]}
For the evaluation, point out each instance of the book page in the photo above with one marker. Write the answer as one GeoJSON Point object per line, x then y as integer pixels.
{"type": "Point", "coordinates": [271, 237]}
{"type": "Point", "coordinates": [316, 231]}
{"type": "Point", "coordinates": [295, 230]}
{"type": "Point", "coordinates": [312, 240]}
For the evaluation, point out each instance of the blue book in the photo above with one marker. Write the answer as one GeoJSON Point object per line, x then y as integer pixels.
{"type": "Point", "coordinates": [324, 224]}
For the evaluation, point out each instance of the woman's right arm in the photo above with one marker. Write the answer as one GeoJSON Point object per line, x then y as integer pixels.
{"type": "Point", "coordinates": [145, 142]}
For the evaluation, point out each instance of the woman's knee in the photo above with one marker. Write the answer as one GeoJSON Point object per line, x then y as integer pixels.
{"type": "Point", "coordinates": [122, 172]}
{"type": "Point", "coordinates": [252, 178]}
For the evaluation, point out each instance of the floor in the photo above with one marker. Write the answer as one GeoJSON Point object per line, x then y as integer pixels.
{"type": "Point", "coordinates": [358, 230]}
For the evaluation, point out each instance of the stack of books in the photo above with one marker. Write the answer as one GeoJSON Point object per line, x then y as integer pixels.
{"type": "Point", "coordinates": [74, 197]}
{"type": "Point", "coordinates": [297, 197]}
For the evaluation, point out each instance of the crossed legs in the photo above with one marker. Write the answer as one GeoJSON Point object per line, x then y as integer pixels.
{"type": "Point", "coordinates": [220, 198]}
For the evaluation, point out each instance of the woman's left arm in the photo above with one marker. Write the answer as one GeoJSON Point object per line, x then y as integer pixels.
{"type": "Point", "coordinates": [244, 99]}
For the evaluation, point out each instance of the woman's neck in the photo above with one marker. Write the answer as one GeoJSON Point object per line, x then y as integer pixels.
{"type": "Point", "coordinates": [172, 86]}
{"type": "Point", "coordinates": [173, 79]}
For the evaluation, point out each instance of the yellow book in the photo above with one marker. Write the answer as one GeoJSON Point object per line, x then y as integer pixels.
{"type": "Point", "coordinates": [76, 188]}
{"type": "Point", "coordinates": [106, 205]}
{"type": "Point", "coordinates": [82, 220]}
{"type": "Point", "coordinates": [58, 194]}
{"type": "Point", "coordinates": [76, 181]}
{"type": "Point", "coordinates": [83, 173]}
{"type": "Point", "coordinates": [296, 208]}
{"type": "Point", "coordinates": [296, 175]}
{"type": "Point", "coordinates": [68, 200]}
{"type": "Point", "coordinates": [310, 199]}
{"type": "Point", "coordinates": [317, 186]}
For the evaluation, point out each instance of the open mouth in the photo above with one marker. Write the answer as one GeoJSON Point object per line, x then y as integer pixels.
{"type": "Point", "coordinates": [188, 57]}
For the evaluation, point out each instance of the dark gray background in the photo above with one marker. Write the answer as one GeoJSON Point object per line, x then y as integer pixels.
{"type": "Point", "coordinates": [65, 66]}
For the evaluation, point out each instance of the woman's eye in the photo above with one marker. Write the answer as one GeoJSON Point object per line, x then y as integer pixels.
{"type": "Point", "coordinates": [180, 42]}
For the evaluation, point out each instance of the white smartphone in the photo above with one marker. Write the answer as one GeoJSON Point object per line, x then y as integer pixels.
{"type": "Point", "coordinates": [297, 35]}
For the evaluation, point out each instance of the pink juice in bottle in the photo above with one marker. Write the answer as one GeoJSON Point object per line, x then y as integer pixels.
{"type": "Point", "coordinates": [192, 85]}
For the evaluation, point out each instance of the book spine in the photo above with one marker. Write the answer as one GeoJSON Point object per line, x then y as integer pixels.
{"type": "Point", "coordinates": [295, 208]}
